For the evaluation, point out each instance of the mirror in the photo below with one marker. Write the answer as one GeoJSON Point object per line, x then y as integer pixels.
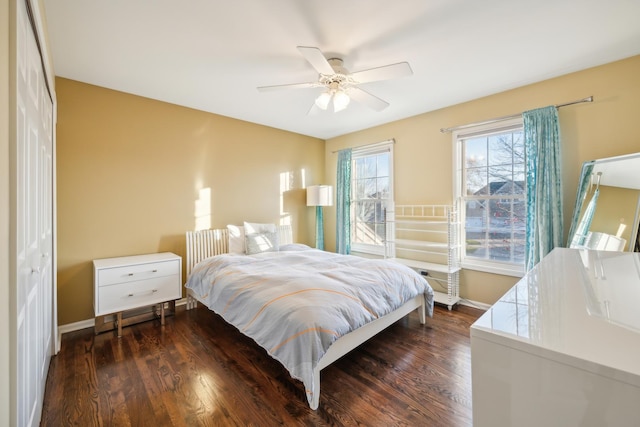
{"type": "Point", "coordinates": [607, 210]}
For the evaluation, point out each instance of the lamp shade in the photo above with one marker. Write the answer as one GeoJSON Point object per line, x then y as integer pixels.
{"type": "Point", "coordinates": [320, 195]}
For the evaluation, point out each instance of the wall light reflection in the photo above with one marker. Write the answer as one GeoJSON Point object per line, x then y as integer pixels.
{"type": "Point", "coordinates": [203, 209]}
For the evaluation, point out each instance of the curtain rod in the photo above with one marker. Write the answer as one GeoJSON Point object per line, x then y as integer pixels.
{"type": "Point", "coordinates": [392, 141]}
{"type": "Point", "coordinates": [512, 116]}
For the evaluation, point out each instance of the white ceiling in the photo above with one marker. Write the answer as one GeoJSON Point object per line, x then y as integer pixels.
{"type": "Point", "coordinates": [211, 54]}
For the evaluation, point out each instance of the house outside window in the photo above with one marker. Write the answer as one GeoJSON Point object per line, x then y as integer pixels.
{"type": "Point", "coordinates": [372, 196]}
{"type": "Point", "coordinates": [490, 192]}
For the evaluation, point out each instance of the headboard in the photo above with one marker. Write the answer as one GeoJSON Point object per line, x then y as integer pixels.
{"type": "Point", "coordinates": [203, 244]}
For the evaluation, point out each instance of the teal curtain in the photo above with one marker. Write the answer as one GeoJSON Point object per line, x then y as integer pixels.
{"type": "Point", "coordinates": [544, 225]}
{"type": "Point", "coordinates": [343, 203]}
{"type": "Point", "coordinates": [583, 187]}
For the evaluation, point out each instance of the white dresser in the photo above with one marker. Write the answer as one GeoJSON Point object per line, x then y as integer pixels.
{"type": "Point", "coordinates": [126, 283]}
{"type": "Point", "coordinates": [562, 347]}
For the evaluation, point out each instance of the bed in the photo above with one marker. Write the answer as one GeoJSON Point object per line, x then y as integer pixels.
{"type": "Point", "coordinates": [305, 307]}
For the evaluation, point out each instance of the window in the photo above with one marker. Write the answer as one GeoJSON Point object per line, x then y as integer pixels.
{"type": "Point", "coordinates": [371, 195]}
{"type": "Point", "coordinates": [490, 187]}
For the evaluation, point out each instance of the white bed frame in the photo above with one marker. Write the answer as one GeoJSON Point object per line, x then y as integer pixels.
{"type": "Point", "coordinates": [206, 243]}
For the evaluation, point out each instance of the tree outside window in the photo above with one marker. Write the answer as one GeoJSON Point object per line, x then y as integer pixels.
{"type": "Point", "coordinates": [492, 195]}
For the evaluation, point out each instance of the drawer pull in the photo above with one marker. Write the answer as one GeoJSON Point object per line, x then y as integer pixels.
{"type": "Point", "coordinates": [153, 291]}
{"type": "Point", "coordinates": [131, 274]}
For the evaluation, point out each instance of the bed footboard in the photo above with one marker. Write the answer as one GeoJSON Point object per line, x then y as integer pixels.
{"type": "Point", "coordinates": [353, 339]}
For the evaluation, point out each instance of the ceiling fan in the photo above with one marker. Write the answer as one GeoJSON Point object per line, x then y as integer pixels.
{"type": "Point", "coordinates": [341, 85]}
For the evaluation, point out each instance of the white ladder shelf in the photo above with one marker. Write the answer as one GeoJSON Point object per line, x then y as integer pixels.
{"type": "Point", "coordinates": [425, 240]}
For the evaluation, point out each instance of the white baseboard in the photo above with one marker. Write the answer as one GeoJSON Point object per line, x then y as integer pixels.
{"type": "Point", "coordinates": [70, 327]}
{"type": "Point", "coordinates": [76, 326]}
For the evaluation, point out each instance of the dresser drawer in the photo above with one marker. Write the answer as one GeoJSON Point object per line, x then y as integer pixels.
{"type": "Point", "coordinates": [134, 294]}
{"type": "Point", "coordinates": [137, 272]}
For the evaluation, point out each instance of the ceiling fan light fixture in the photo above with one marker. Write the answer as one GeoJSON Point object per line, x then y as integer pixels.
{"type": "Point", "coordinates": [340, 85]}
{"type": "Point", "coordinates": [340, 101]}
{"type": "Point", "coordinates": [323, 100]}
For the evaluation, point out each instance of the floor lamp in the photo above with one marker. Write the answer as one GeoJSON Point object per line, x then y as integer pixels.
{"type": "Point", "coordinates": [319, 196]}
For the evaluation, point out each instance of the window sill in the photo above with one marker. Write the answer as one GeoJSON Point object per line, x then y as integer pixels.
{"type": "Point", "coordinates": [368, 249]}
{"type": "Point", "coordinates": [363, 254]}
{"type": "Point", "coordinates": [494, 268]}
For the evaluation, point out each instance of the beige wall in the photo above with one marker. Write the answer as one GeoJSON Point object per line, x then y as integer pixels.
{"type": "Point", "coordinates": [615, 206]}
{"type": "Point", "coordinates": [130, 171]}
{"type": "Point", "coordinates": [423, 155]}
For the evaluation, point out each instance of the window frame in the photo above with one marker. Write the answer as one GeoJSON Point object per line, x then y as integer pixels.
{"type": "Point", "coordinates": [459, 181]}
{"type": "Point", "coordinates": [357, 153]}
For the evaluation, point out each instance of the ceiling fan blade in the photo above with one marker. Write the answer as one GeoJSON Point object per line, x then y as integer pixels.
{"type": "Point", "coordinates": [316, 58]}
{"type": "Point", "coordinates": [367, 99]}
{"type": "Point", "coordinates": [289, 86]}
{"type": "Point", "coordinates": [393, 71]}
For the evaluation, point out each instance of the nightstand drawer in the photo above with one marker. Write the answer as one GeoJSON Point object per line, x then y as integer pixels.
{"type": "Point", "coordinates": [137, 272]}
{"type": "Point", "coordinates": [126, 296]}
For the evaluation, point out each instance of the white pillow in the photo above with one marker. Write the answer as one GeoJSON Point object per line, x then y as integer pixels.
{"type": "Point", "coordinates": [236, 239]}
{"type": "Point", "coordinates": [254, 227]}
{"type": "Point", "coordinates": [262, 242]}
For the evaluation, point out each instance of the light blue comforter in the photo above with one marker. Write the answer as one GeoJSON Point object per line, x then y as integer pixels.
{"type": "Point", "coordinates": [296, 302]}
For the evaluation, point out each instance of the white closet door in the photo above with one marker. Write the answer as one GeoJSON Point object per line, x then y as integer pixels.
{"type": "Point", "coordinates": [34, 226]}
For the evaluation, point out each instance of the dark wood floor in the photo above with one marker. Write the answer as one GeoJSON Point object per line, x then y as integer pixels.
{"type": "Point", "coordinates": [198, 370]}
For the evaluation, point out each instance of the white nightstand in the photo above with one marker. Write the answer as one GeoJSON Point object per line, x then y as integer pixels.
{"type": "Point", "coordinates": [126, 283]}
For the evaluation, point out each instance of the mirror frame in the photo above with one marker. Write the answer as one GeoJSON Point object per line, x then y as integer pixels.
{"type": "Point", "coordinates": [615, 173]}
